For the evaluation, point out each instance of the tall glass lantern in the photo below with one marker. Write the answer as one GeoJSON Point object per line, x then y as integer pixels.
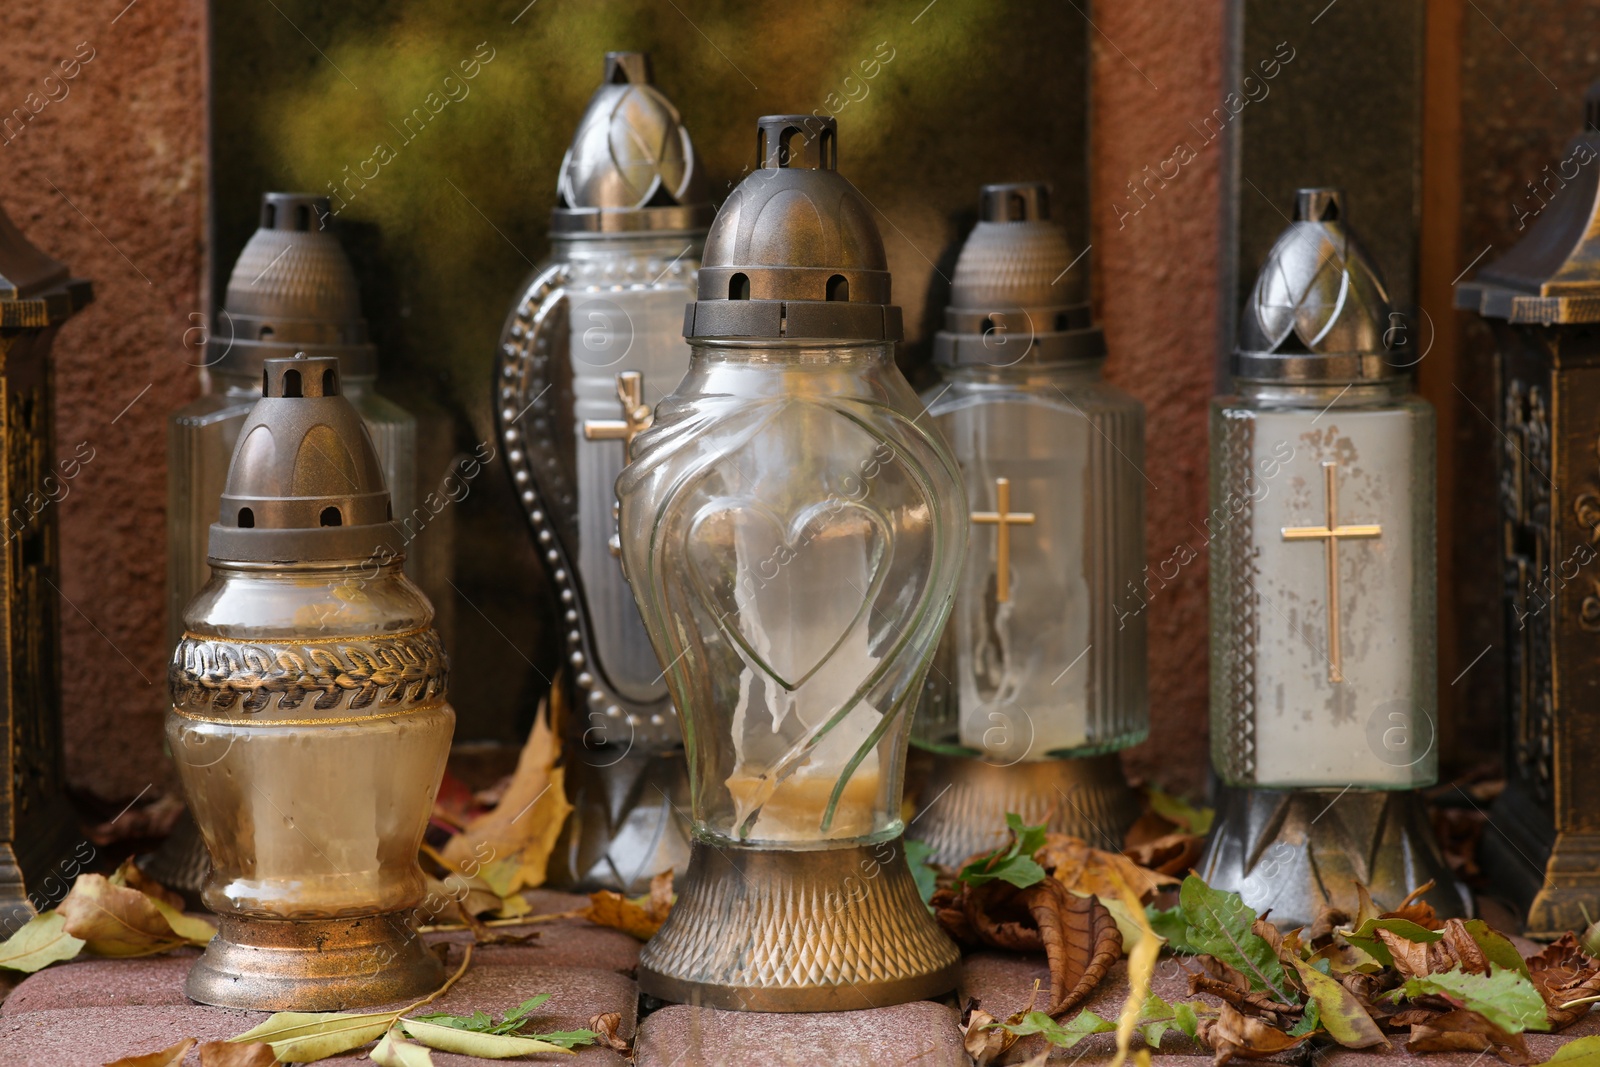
{"type": "Point", "coordinates": [793, 530]}
{"type": "Point", "coordinates": [1040, 678]}
{"type": "Point", "coordinates": [1323, 670]}
{"type": "Point", "coordinates": [594, 340]}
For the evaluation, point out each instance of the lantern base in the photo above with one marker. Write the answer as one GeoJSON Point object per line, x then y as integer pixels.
{"type": "Point", "coordinates": [964, 802]}
{"type": "Point", "coordinates": [314, 965]}
{"type": "Point", "coordinates": [1295, 850]}
{"type": "Point", "coordinates": [821, 930]}
{"type": "Point", "coordinates": [629, 821]}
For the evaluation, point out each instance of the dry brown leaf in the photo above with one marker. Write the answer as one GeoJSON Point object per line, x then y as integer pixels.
{"type": "Point", "coordinates": [1563, 972]}
{"type": "Point", "coordinates": [1467, 1031]}
{"type": "Point", "coordinates": [1231, 1034]}
{"type": "Point", "coordinates": [1232, 988]}
{"type": "Point", "coordinates": [154, 820]}
{"type": "Point", "coordinates": [1413, 959]}
{"type": "Point", "coordinates": [229, 1054]}
{"type": "Point", "coordinates": [1460, 944]}
{"type": "Point", "coordinates": [131, 876]}
{"type": "Point", "coordinates": [114, 920]}
{"type": "Point", "coordinates": [1072, 862]}
{"type": "Point", "coordinates": [1223, 972]}
{"type": "Point", "coordinates": [1081, 941]}
{"type": "Point", "coordinates": [605, 1027]}
{"type": "Point", "coordinates": [639, 916]}
{"type": "Point", "coordinates": [984, 1041]}
{"type": "Point", "coordinates": [1329, 918]}
{"type": "Point", "coordinates": [170, 1056]}
{"type": "Point", "coordinates": [1173, 854]}
{"type": "Point", "coordinates": [524, 826]}
{"type": "Point", "coordinates": [949, 909]}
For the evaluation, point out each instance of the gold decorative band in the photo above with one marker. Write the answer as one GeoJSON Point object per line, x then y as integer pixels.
{"type": "Point", "coordinates": [324, 680]}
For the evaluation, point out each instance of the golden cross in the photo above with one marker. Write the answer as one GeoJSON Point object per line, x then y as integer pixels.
{"type": "Point", "coordinates": [1330, 532]}
{"type": "Point", "coordinates": [636, 414]}
{"type": "Point", "coordinates": [1003, 519]}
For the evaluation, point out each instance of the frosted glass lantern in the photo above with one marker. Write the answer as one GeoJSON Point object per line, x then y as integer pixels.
{"type": "Point", "coordinates": [594, 341]}
{"type": "Point", "coordinates": [1321, 533]}
{"type": "Point", "coordinates": [309, 723]}
{"type": "Point", "coordinates": [1042, 667]}
{"type": "Point", "coordinates": [793, 531]}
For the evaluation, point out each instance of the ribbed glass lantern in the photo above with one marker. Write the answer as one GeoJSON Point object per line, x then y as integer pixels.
{"type": "Point", "coordinates": [1042, 668]}
{"type": "Point", "coordinates": [793, 530]}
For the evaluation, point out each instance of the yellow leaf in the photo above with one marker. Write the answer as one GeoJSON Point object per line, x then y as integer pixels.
{"type": "Point", "coordinates": [191, 928]}
{"type": "Point", "coordinates": [116, 921]}
{"type": "Point", "coordinates": [1141, 968]}
{"type": "Point", "coordinates": [298, 1036]}
{"type": "Point", "coordinates": [170, 1056]}
{"type": "Point", "coordinates": [43, 940]}
{"type": "Point", "coordinates": [523, 826]}
{"type": "Point", "coordinates": [468, 1043]}
{"type": "Point", "coordinates": [395, 1051]}
{"type": "Point", "coordinates": [131, 876]}
{"type": "Point", "coordinates": [227, 1054]}
{"type": "Point", "coordinates": [639, 916]}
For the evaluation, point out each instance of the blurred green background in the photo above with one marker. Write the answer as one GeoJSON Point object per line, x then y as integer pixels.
{"type": "Point", "coordinates": [965, 92]}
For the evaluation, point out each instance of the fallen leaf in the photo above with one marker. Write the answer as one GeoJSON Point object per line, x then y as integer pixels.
{"type": "Point", "coordinates": [396, 1051]}
{"type": "Point", "coordinates": [1220, 925]}
{"type": "Point", "coordinates": [1181, 813]}
{"type": "Point", "coordinates": [151, 821]}
{"type": "Point", "coordinates": [1172, 854]}
{"type": "Point", "coordinates": [1338, 1011]}
{"type": "Point", "coordinates": [116, 921]}
{"type": "Point", "coordinates": [918, 854]}
{"type": "Point", "coordinates": [1503, 997]}
{"type": "Point", "coordinates": [1563, 973]}
{"type": "Point", "coordinates": [1141, 968]}
{"type": "Point", "coordinates": [131, 876]}
{"type": "Point", "coordinates": [639, 916]}
{"type": "Point", "coordinates": [41, 941]}
{"type": "Point", "coordinates": [983, 1038]}
{"type": "Point", "coordinates": [1231, 1034]}
{"type": "Point", "coordinates": [605, 1027]}
{"type": "Point", "coordinates": [1330, 917]}
{"type": "Point", "coordinates": [1228, 985]}
{"type": "Point", "coordinates": [1495, 946]}
{"type": "Point", "coordinates": [170, 1056]}
{"type": "Point", "coordinates": [1584, 1052]}
{"type": "Point", "coordinates": [1413, 959]}
{"type": "Point", "coordinates": [470, 1043]}
{"type": "Point", "coordinates": [1081, 868]}
{"type": "Point", "coordinates": [228, 1054]}
{"type": "Point", "coordinates": [525, 824]}
{"type": "Point", "coordinates": [1414, 909]}
{"type": "Point", "coordinates": [1012, 862]}
{"type": "Point", "coordinates": [1467, 1031]}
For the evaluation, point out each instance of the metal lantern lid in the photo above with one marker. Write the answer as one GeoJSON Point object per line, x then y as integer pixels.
{"type": "Point", "coordinates": [1319, 312]}
{"type": "Point", "coordinates": [305, 483]}
{"type": "Point", "coordinates": [794, 252]}
{"type": "Point", "coordinates": [1552, 276]}
{"type": "Point", "coordinates": [292, 290]}
{"type": "Point", "coordinates": [36, 291]}
{"type": "Point", "coordinates": [1019, 295]}
{"type": "Point", "coordinates": [631, 166]}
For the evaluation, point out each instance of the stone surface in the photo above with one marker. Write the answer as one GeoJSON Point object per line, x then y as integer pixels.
{"type": "Point", "coordinates": [565, 943]}
{"type": "Point", "coordinates": [922, 1033]}
{"type": "Point", "coordinates": [91, 983]}
{"type": "Point", "coordinates": [89, 1037]}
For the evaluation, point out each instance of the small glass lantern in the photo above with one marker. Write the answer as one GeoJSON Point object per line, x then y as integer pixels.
{"type": "Point", "coordinates": [1321, 533]}
{"type": "Point", "coordinates": [309, 722]}
{"type": "Point", "coordinates": [594, 341]}
{"type": "Point", "coordinates": [1040, 678]}
{"type": "Point", "coordinates": [793, 530]}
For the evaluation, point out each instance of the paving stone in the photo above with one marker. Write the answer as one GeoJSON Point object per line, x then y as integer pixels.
{"type": "Point", "coordinates": [576, 995]}
{"type": "Point", "coordinates": [89, 1037]}
{"type": "Point", "coordinates": [921, 1033]}
{"type": "Point", "coordinates": [94, 983]}
{"type": "Point", "coordinates": [562, 943]}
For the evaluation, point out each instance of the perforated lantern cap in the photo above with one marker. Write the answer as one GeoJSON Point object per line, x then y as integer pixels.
{"type": "Point", "coordinates": [1020, 295]}
{"type": "Point", "coordinates": [292, 290]}
{"type": "Point", "coordinates": [632, 166]}
{"type": "Point", "coordinates": [1319, 312]}
{"type": "Point", "coordinates": [794, 252]}
{"type": "Point", "coordinates": [305, 483]}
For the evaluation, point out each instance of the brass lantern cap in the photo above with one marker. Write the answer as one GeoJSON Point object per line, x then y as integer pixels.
{"type": "Point", "coordinates": [1020, 295]}
{"type": "Point", "coordinates": [36, 291]}
{"type": "Point", "coordinates": [794, 252]}
{"type": "Point", "coordinates": [1552, 276]}
{"type": "Point", "coordinates": [305, 483]}
{"type": "Point", "coordinates": [292, 290]}
{"type": "Point", "coordinates": [1319, 312]}
{"type": "Point", "coordinates": [631, 166]}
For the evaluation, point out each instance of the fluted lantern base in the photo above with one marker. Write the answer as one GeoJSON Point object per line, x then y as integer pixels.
{"type": "Point", "coordinates": [314, 965]}
{"type": "Point", "coordinates": [820, 930]}
{"type": "Point", "coordinates": [964, 802]}
{"type": "Point", "coordinates": [629, 821]}
{"type": "Point", "coordinates": [1294, 851]}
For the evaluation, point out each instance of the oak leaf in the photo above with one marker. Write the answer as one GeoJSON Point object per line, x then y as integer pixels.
{"type": "Point", "coordinates": [170, 1056]}
{"type": "Point", "coordinates": [639, 916]}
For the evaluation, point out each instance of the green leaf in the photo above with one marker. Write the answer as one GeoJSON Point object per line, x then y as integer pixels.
{"type": "Point", "coordinates": [394, 1051]}
{"type": "Point", "coordinates": [467, 1043]}
{"type": "Point", "coordinates": [1496, 947]}
{"type": "Point", "coordinates": [1502, 996]}
{"type": "Point", "coordinates": [1584, 1052]}
{"type": "Point", "coordinates": [567, 1038]}
{"type": "Point", "coordinates": [481, 1022]}
{"type": "Point", "coordinates": [1185, 1018]}
{"type": "Point", "coordinates": [526, 1008]}
{"type": "Point", "coordinates": [1062, 1035]}
{"type": "Point", "coordinates": [43, 940]}
{"type": "Point", "coordinates": [1152, 1033]}
{"type": "Point", "coordinates": [300, 1036]}
{"type": "Point", "coordinates": [1177, 810]}
{"type": "Point", "coordinates": [1170, 925]}
{"type": "Point", "coordinates": [1337, 1009]}
{"type": "Point", "coordinates": [1010, 863]}
{"type": "Point", "coordinates": [917, 853]}
{"type": "Point", "coordinates": [1309, 1022]}
{"type": "Point", "coordinates": [1219, 925]}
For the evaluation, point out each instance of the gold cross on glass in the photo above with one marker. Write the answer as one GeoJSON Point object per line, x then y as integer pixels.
{"type": "Point", "coordinates": [1003, 519]}
{"type": "Point", "coordinates": [1330, 533]}
{"type": "Point", "coordinates": [636, 414]}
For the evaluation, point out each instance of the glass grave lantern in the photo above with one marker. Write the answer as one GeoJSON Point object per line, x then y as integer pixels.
{"type": "Point", "coordinates": [309, 722]}
{"type": "Point", "coordinates": [793, 530]}
{"type": "Point", "coordinates": [1541, 845]}
{"type": "Point", "coordinates": [1040, 678]}
{"type": "Point", "coordinates": [1321, 529]}
{"type": "Point", "coordinates": [594, 340]}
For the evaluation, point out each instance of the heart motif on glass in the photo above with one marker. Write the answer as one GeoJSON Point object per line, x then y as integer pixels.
{"type": "Point", "coordinates": [789, 593]}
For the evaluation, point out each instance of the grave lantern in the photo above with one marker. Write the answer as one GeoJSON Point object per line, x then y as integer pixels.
{"type": "Point", "coordinates": [309, 722]}
{"type": "Point", "coordinates": [1321, 530]}
{"type": "Point", "coordinates": [794, 530]}
{"type": "Point", "coordinates": [594, 340]}
{"type": "Point", "coordinates": [40, 851]}
{"type": "Point", "coordinates": [1040, 678]}
{"type": "Point", "coordinates": [1541, 844]}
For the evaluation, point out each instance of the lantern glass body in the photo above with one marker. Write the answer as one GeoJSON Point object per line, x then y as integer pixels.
{"type": "Point", "coordinates": [1058, 667]}
{"type": "Point", "coordinates": [1309, 691]}
{"type": "Point", "coordinates": [793, 534]}
{"type": "Point", "coordinates": [201, 437]}
{"type": "Point", "coordinates": [309, 818]}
